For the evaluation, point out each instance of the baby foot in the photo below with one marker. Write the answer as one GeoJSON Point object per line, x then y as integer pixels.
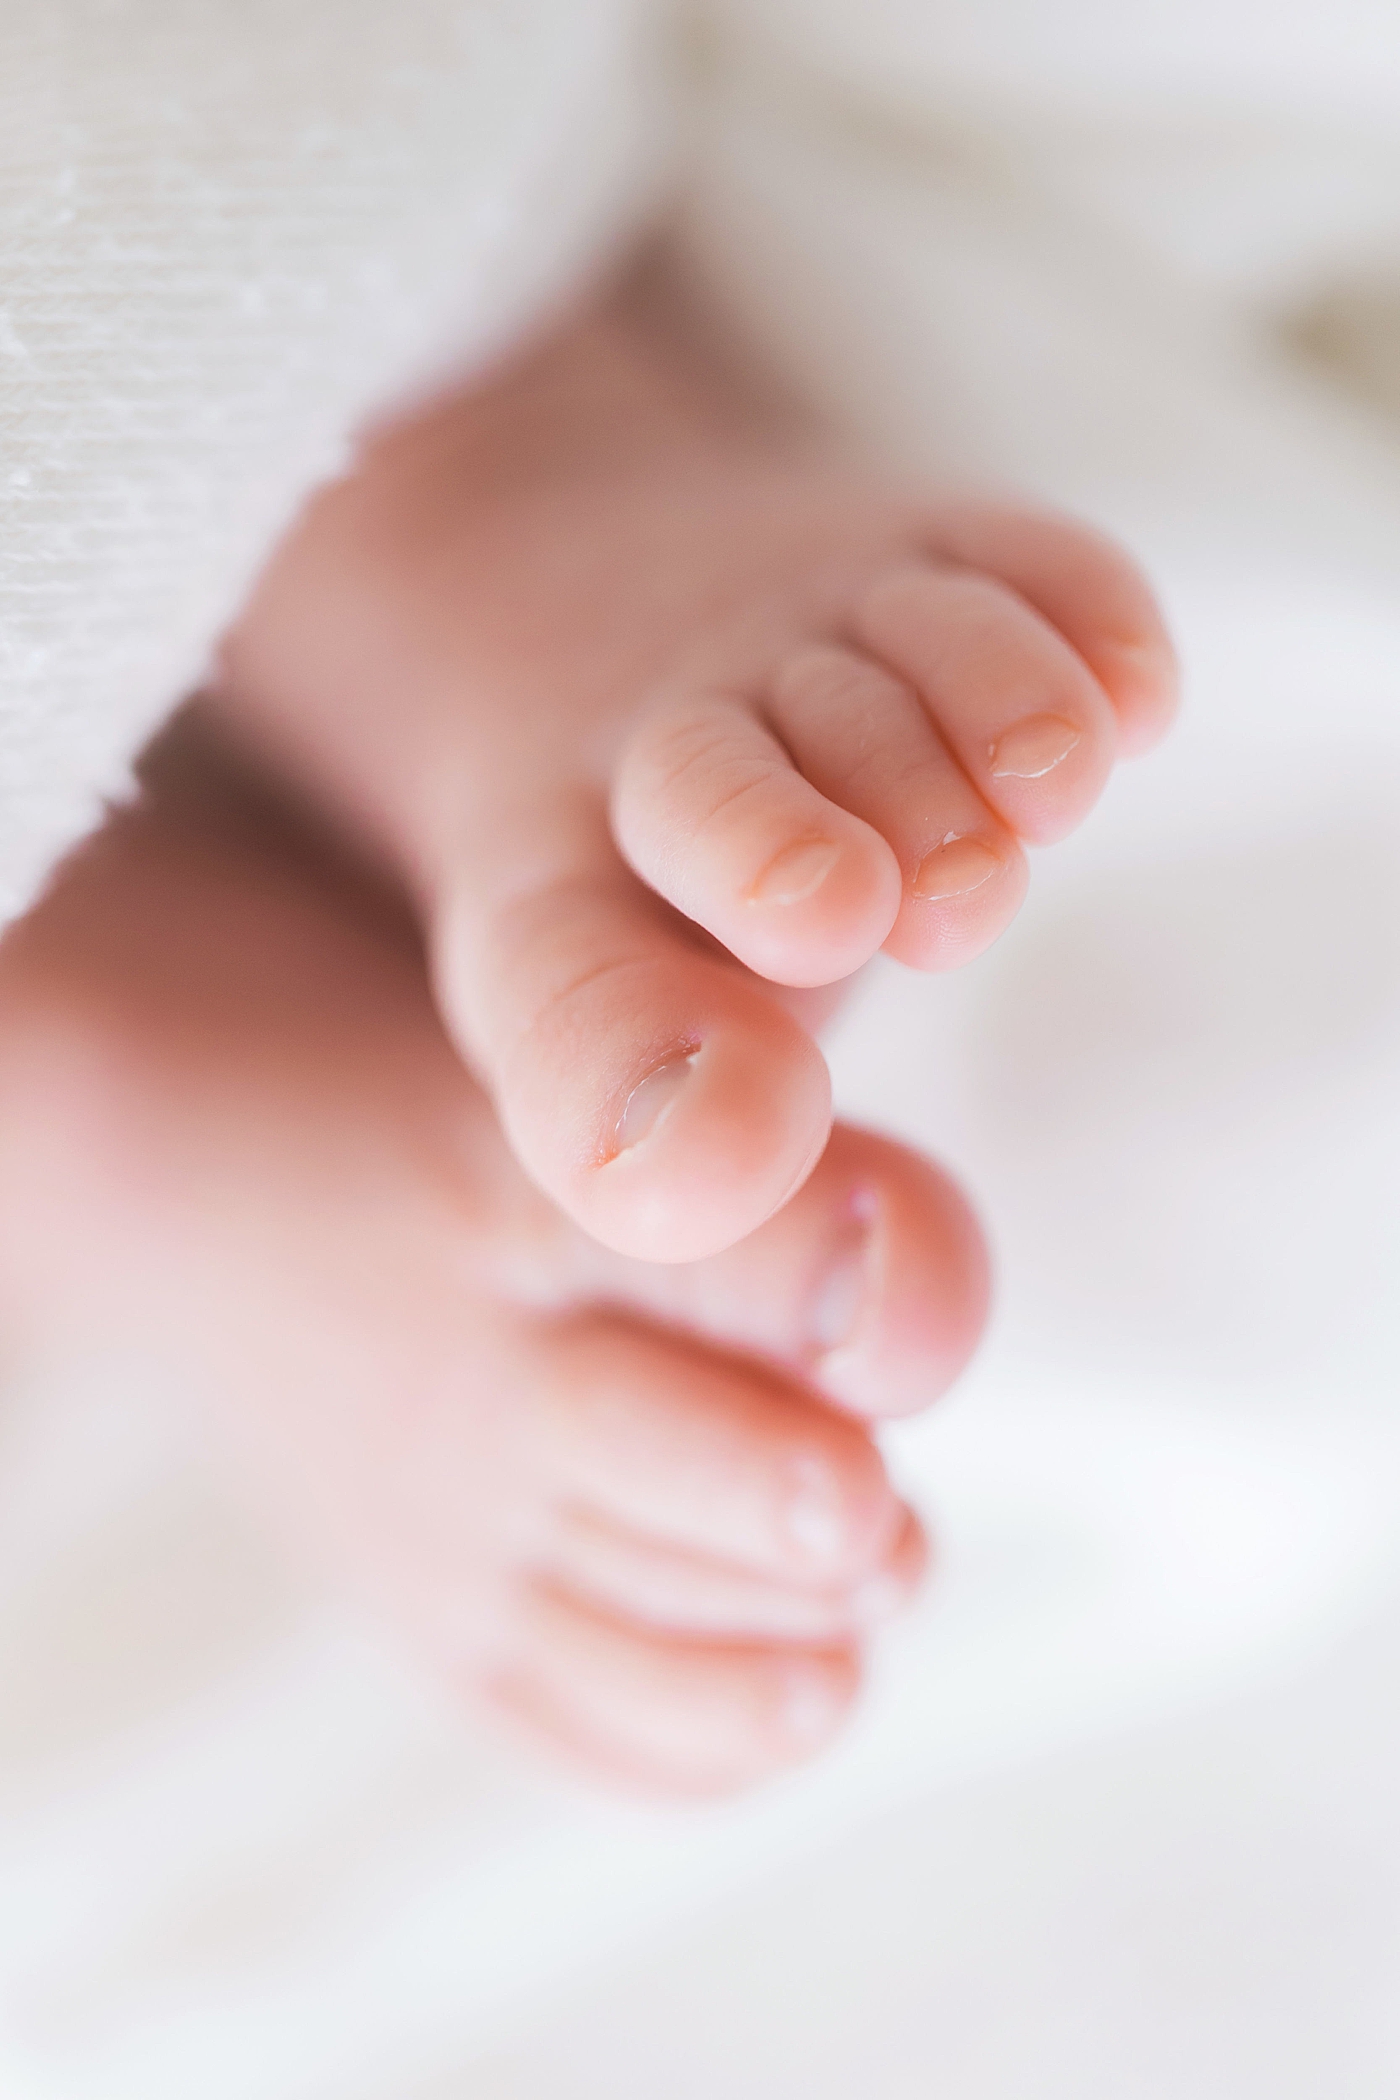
{"type": "Point", "coordinates": [631, 684]}
{"type": "Point", "coordinates": [634, 1506]}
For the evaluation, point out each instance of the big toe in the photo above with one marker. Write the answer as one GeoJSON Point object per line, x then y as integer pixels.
{"type": "Point", "coordinates": [871, 1286]}
{"type": "Point", "coordinates": [654, 1091]}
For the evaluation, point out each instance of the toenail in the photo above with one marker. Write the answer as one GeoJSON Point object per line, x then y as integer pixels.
{"type": "Point", "coordinates": [838, 1301]}
{"type": "Point", "coordinates": [815, 1511]}
{"type": "Point", "coordinates": [835, 1311]}
{"type": "Point", "coordinates": [650, 1101]}
{"type": "Point", "coordinates": [810, 1704]}
{"type": "Point", "coordinates": [955, 867]}
{"type": "Point", "coordinates": [795, 872]}
{"type": "Point", "coordinates": [1033, 748]}
{"type": "Point", "coordinates": [1146, 660]}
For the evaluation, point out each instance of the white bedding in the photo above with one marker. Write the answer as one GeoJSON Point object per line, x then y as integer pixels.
{"type": "Point", "coordinates": [228, 234]}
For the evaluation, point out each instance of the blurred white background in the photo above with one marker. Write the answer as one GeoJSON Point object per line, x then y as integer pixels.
{"type": "Point", "coordinates": [1120, 1819]}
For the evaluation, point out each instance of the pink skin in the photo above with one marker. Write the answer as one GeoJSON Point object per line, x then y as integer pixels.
{"type": "Point", "coordinates": [665, 720]}
{"type": "Point", "coordinates": [628, 680]}
{"type": "Point", "coordinates": [636, 1507]}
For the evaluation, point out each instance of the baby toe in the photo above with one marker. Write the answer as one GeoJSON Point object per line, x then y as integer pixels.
{"type": "Point", "coordinates": [864, 739]}
{"type": "Point", "coordinates": [711, 812]}
{"type": "Point", "coordinates": [1090, 590]}
{"type": "Point", "coordinates": [1031, 727]}
{"type": "Point", "coordinates": [695, 1595]}
{"type": "Point", "coordinates": [652, 1710]}
{"type": "Point", "coordinates": [707, 1455]}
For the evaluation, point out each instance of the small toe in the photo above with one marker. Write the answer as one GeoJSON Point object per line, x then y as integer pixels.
{"type": "Point", "coordinates": [1031, 727]}
{"type": "Point", "coordinates": [711, 812]}
{"type": "Point", "coordinates": [862, 736]}
{"type": "Point", "coordinates": [1089, 589]}
{"type": "Point", "coordinates": [703, 1453]}
{"type": "Point", "coordinates": [695, 1595]}
{"type": "Point", "coordinates": [681, 1717]}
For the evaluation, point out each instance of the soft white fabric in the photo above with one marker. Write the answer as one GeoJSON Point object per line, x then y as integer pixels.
{"type": "Point", "coordinates": [1099, 59]}
{"type": "Point", "coordinates": [228, 230]}
{"type": "Point", "coordinates": [1245, 142]}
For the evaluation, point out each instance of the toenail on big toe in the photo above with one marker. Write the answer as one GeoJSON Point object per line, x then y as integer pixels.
{"type": "Point", "coordinates": [651, 1100]}
{"type": "Point", "coordinates": [954, 868]}
{"type": "Point", "coordinates": [840, 1300]}
{"type": "Point", "coordinates": [1032, 748]}
{"type": "Point", "coordinates": [796, 872]}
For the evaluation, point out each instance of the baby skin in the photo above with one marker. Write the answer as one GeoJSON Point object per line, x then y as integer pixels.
{"type": "Point", "coordinates": [611, 1498]}
{"type": "Point", "coordinates": [669, 718]}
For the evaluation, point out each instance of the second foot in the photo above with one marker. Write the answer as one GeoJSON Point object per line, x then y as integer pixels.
{"type": "Point", "coordinates": [640, 1508]}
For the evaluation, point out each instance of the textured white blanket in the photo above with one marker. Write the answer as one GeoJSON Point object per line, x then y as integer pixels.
{"type": "Point", "coordinates": [228, 230]}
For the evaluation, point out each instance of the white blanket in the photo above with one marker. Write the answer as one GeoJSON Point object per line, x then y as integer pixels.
{"type": "Point", "coordinates": [229, 230]}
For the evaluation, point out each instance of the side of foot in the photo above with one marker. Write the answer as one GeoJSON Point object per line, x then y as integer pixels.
{"type": "Point", "coordinates": [658, 708]}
